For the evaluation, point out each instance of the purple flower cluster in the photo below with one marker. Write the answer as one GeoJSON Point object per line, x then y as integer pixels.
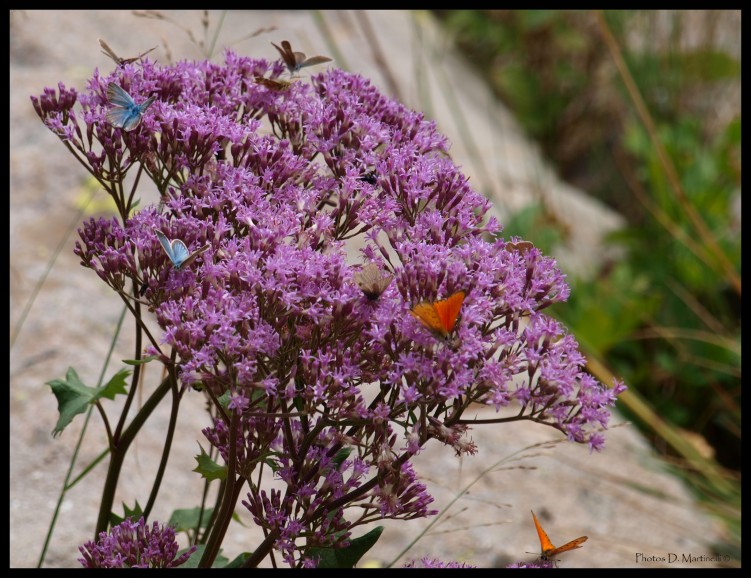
{"type": "Point", "coordinates": [428, 562]}
{"type": "Point", "coordinates": [134, 545]}
{"type": "Point", "coordinates": [294, 191]}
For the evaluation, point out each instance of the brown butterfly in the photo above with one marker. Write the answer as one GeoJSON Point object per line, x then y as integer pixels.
{"type": "Point", "coordinates": [106, 50]}
{"type": "Point", "coordinates": [273, 84]}
{"type": "Point", "coordinates": [296, 60]}
{"type": "Point", "coordinates": [548, 550]}
{"type": "Point", "coordinates": [521, 246]}
{"type": "Point", "coordinates": [439, 316]}
{"type": "Point", "coordinates": [372, 281]}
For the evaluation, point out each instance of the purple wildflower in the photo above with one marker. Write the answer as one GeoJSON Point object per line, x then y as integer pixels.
{"type": "Point", "coordinates": [428, 562]}
{"type": "Point", "coordinates": [134, 545]}
{"type": "Point", "coordinates": [333, 390]}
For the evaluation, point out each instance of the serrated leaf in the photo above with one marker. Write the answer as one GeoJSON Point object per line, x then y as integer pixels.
{"type": "Point", "coordinates": [187, 519]}
{"type": "Point", "coordinates": [73, 397]}
{"type": "Point", "coordinates": [208, 468]}
{"type": "Point", "coordinates": [134, 513]}
{"type": "Point", "coordinates": [140, 361]}
{"type": "Point", "coordinates": [346, 557]}
{"type": "Point", "coordinates": [115, 385]}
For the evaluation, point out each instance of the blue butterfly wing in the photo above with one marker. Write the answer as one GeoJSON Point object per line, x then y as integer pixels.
{"type": "Point", "coordinates": [165, 245]}
{"type": "Point", "coordinates": [117, 96]}
{"type": "Point", "coordinates": [125, 113]}
{"type": "Point", "coordinates": [177, 251]}
{"type": "Point", "coordinates": [193, 255]}
{"type": "Point", "coordinates": [180, 253]}
{"type": "Point", "coordinates": [132, 120]}
{"type": "Point", "coordinates": [123, 118]}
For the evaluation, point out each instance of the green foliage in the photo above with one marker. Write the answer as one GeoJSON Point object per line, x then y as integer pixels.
{"type": "Point", "coordinates": [349, 556]}
{"type": "Point", "coordinates": [188, 519]}
{"type": "Point", "coordinates": [133, 513]}
{"type": "Point", "coordinates": [73, 397]}
{"type": "Point", "coordinates": [208, 468]}
{"type": "Point", "coordinates": [666, 316]}
{"type": "Point", "coordinates": [219, 562]}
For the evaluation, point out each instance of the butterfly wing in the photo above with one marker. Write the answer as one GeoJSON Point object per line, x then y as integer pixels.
{"type": "Point", "coordinates": [180, 253]}
{"type": "Point", "coordinates": [273, 84]}
{"type": "Point", "coordinates": [117, 96]}
{"type": "Point", "coordinates": [448, 310]}
{"type": "Point", "coordinates": [107, 51]}
{"type": "Point", "coordinates": [521, 246]}
{"type": "Point", "coordinates": [125, 113]}
{"type": "Point", "coordinates": [427, 314]}
{"type": "Point", "coordinates": [312, 60]}
{"type": "Point", "coordinates": [372, 281]}
{"type": "Point", "coordinates": [287, 55]}
{"type": "Point", "coordinates": [572, 545]}
{"type": "Point", "coordinates": [120, 117]}
{"type": "Point", "coordinates": [166, 245]}
{"type": "Point", "coordinates": [136, 114]}
{"type": "Point", "coordinates": [546, 546]}
{"type": "Point", "coordinates": [192, 257]}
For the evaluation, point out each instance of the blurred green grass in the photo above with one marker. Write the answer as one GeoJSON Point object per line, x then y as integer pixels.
{"type": "Point", "coordinates": [641, 109]}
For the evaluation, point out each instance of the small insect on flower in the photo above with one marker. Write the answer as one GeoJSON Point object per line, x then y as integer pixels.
{"type": "Point", "coordinates": [107, 51]}
{"type": "Point", "coordinates": [296, 60]}
{"type": "Point", "coordinates": [371, 178]}
{"type": "Point", "coordinates": [520, 246]}
{"type": "Point", "coordinates": [546, 546]}
{"type": "Point", "coordinates": [372, 281]}
{"type": "Point", "coordinates": [125, 113]}
{"type": "Point", "coordinates": [440, 316]}
{"type": "Point", "coordinates": [177, 251]}
{"type": "Point", "coordinates": [273, 83]}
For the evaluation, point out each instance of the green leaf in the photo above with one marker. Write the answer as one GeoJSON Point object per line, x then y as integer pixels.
{"type": "Point", "coordinates": [73, 397]}
{"type": "Point", "coordinates": [192, 562]}
{"type": "Point", "coordinates": [134, 514]}
{"type": "Point", "coordinates": [195, 557]}
{"type": "Point", "coordinates": [238, 561]}
{"type": "Point", "coordinates": [140, 361]}
{"type": "Point", "coordinates": [341, 455]}
{"type": "Point", "coordinates": [187, 519]}
{"type": "Point", "coordinates": [208, 468]}
{"type": "Point", "coordinates": [349, 556]}
{"type": "Point", "coordinates": [115, 385]}
{"type": "Point", "coordinates": [224, 399]}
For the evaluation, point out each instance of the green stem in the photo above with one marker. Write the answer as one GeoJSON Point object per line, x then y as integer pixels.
{"type": "Point", "coordinates": [119, 452]}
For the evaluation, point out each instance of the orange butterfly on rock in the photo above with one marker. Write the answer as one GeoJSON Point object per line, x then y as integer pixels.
{"type": "Point", "coordinates": [548, 550]}
{"type": "Point", "coordinates": [439, 316]}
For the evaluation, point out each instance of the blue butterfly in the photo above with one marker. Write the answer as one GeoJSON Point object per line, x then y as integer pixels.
{"type": "Point", "coordinates": [177, 251]}
{"type": "Point", "coordinates": [125, 113]}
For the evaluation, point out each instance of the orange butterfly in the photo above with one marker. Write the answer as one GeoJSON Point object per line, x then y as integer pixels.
{"type": "Point", "coordinates": [439, 316]}
{"type": "Point", "coordinates": [548, 550]}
